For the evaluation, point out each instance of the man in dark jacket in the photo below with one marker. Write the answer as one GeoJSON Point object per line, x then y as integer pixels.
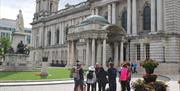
{"type": "Point", "coordinates": [112, 73]}
{"type": "Point", "coordinates": [97, 68]}
{"type": "Point", "coordinates": [102, 79]}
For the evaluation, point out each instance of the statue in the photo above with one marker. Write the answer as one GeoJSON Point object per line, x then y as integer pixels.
{"type": "Point", "coordinates": [20, 48]}
{"type": "Point", "coordinates": [10, 50]}
{"type": "Point", "coordinates": [20, 22]}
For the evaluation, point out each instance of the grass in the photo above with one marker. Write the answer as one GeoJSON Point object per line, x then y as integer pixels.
{"type": "Point", "coordinates": [54, 73]}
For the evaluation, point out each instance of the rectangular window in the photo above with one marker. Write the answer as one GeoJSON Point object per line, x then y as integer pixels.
{"type": "Point", "coordinates": [147, 51]}
{"type": "Point", "coordinates": [138, 52]}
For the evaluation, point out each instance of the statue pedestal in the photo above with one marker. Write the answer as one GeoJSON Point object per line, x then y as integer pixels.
{"type": "Point", "coordinates": [17, 62]}
{"type": "Point", "coordinates": [17, 37]}
{"type": "Point", "coordinates": [44, 70]}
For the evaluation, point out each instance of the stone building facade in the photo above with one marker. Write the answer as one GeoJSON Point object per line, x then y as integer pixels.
{"type": "Point", "coordinates": [152, 30]}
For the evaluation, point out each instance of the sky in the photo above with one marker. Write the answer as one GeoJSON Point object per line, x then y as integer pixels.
{"type": "Point", "coordinates": [10, 9]}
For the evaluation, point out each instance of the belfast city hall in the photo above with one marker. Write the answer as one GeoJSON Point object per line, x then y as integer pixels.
{"type": "Point", "coordinates": [100, 31]}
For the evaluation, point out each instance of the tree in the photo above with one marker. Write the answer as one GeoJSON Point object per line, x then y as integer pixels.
{"type": "Point", "coordinates": [4, 45]}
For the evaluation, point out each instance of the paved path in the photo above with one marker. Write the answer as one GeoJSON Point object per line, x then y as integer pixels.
{"type": "Point", "coordinates": [61, 86]}
{"type": "Point", "coordinates": [68, 85]}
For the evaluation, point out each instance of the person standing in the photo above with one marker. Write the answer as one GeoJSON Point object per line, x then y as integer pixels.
{"type": "Point", "coordinates": [112, 73]}
{"type": "Point", "coordinates": [76, 77]}
{"type": "Point", "coordinates": [91, 79]}
{"type": "Point", "coordinates": [102, 79]}
{"type": "Point", "coordinates": [132, 67]}
{"type": "Point", "coordinates": [79, 80]}
{"type": "Point", "coordinates": [129, 77]}
{"type": "Point", "coordinates": [123, 77]}
{"type": "Point", "coordinates": [97, 69]}
{"type": "Point", "coordinates": [135, 67]}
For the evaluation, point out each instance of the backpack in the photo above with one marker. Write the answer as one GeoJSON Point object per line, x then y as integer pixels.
{"type": "Point", "coordinates": [90, 75]}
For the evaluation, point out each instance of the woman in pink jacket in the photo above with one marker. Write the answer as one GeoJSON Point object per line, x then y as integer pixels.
{"type": "Point", "coordinates": [123, 77]}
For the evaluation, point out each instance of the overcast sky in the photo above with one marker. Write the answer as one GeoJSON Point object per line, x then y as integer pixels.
{"type": "Point", "coordinates": [10, 8]}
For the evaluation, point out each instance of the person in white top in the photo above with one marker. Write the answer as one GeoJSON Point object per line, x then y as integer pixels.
{"type": "Point", "coordinates": [91, 79]}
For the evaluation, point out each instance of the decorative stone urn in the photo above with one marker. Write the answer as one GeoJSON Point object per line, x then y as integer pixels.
{"type": "Point", "coordinates": [149, 83]}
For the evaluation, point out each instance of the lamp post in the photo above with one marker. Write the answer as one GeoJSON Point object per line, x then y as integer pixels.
{"type": "Point", "coordinates": [129, 41]}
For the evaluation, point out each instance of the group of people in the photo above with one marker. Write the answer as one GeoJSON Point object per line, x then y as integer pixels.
{"type": "Point", "coordinates": [97, 76]}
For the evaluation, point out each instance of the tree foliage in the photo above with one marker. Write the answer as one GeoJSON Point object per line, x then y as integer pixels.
{"type": "Point", "coordinates": [4, 45]}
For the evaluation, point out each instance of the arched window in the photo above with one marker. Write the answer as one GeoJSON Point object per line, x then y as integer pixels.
{"type": "Point", "coordinates": [57, 36]}
{"type": "Point", "coordinates": [147, 19]}
{"type": "Point", "coordinates": [124, 20]}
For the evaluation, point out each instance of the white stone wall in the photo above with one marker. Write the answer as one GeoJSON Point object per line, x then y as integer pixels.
{"type": "Point", "coordinates": [156, 50]}
{"type": "Point", "coordinates": [171, 15]}
{"type": "Point", "coordinates": [133, 51]}
{"type": "Point", "coordinates": [173, 50]}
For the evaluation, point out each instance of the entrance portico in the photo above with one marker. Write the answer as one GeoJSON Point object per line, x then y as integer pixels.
{"type": "Point", "coordinates": [96, 34]}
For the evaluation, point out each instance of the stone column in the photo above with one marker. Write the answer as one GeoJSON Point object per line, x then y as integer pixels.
{"type": "Point", "coordinates": [104, 53]}
{"type": "Point", "coordinates": [116, 54]}
{"type": "Point", "coordinates": [134, 18]}
{"type": "Point", "coordinates": [87, 53]}
{"type": "Point", "coordinates": [129, 17]}
{"type": "Point", "coordinates": [62, 28]}
{"type": "Point", "coordinates": [99, 52]}
{"type": "Point", "coordinates": [122, 51]}
{"type": "Point", "coordinates": [72, 53]}
{"type": "Point", "coordinates": [68, 54]}
{"type": "Point", "coordinates": [92, 12]}
{"type": "Point", "coordinates": [159, 15]}
{"type": "Point", "coordinates": [97, 11]}
{"type": "Point", "coordinates": [142, 51]}
{"type": "Point", "coordinates": [114, 13]}
{"type": "Point", "coordinates": [153, 17]}
{"type": "Point", "coordinates": [109, 13]}
{"type": "Point", "coordinates": [60, 33]}
{"type": "Point", "coordinates": [93, 52]}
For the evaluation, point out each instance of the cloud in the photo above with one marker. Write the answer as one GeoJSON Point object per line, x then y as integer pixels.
{"type": "Point", "coordinates": [9, 8]}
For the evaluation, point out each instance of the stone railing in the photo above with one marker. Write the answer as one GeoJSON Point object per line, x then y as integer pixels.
{"type": "Point", "coordinates": [77, 29]}
{"type": "Point", "coordinates": [103, 2]}
{"type": "Point", "coordinates": [72, 7]}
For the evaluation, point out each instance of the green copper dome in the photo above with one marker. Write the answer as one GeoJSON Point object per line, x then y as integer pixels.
{"type": "Point", "coordinates": [95, 19]}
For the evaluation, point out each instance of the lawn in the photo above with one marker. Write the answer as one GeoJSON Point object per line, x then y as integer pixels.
{"type": "Point", "coordinates": [54, 73]}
